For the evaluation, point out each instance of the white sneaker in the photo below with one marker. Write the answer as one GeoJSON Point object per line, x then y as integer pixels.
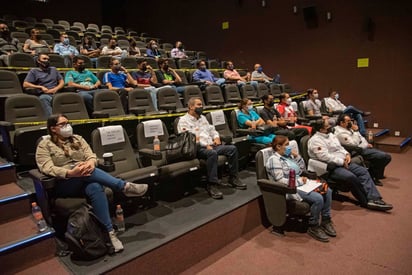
{"type": "Point", "coordinates": [135, 189]}
{"type": "Point", "coordinates": [117, 244]}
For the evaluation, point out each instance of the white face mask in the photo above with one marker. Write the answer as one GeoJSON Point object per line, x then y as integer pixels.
{"type": "Point", "coordinates": [289, 101]}
{"type": "Point", "coordinates": [66, 131]}
{"type": "Point", "coordinates": [316, 95]}
{"type": "Point", "coordinates": [250, 108]}
{"type": "Point", "coordinates": [337, 96]}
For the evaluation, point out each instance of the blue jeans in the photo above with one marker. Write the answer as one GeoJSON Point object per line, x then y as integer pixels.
{"type": "Point", "coordinates": [363, 187]}
{"type": "Point", "coordinates": [92, 187]}
{"type": "Point", "coordinates": [46, 103]}
{"type": "Point", "coordinates": [230, 151]}
{"type": "Point", "coordinates": [357, 115]}
{"type": "Point", "coordinates": [319, 205]}
{"type": "Point", "coordinates": [88, 100]}
{"type": "Point", "coordinates": [153, 94]}
{"type": "Point", "coordinates": [377, 161]}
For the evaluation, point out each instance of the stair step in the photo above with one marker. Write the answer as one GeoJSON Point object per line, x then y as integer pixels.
{"type": "Point", "coordinates": [392, 144]}
{"type": "Point", "coordinates": [14, 202]}
{"type": "Point", "coordinates": [22, 246]}
{"type": "Point", "coordinates": [378, 132]}
{"type": "Point", "coordinates": [7, 172]}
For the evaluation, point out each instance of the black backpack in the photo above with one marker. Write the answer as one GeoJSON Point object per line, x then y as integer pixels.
{"type": "Point", "coordinates": [86, 236]}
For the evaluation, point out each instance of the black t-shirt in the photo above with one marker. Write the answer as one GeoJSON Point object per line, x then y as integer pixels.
{"type": "Point", "coordinates": [269, 113]}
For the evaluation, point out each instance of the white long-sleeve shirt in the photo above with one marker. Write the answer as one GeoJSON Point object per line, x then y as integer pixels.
{"type": "Point", "coordinates": [207, 133]}
{"type": "Point", "coordinates": [350, 137]}
{"type": "Point", "coordinates": [326, 148]}
{"type": "Point", "coordinates": [334, 104]}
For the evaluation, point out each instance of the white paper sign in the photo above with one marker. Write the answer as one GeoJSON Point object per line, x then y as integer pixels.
{"type": "Point", "coordinates": [153, 128]}
{"type": "Point", "coordinates": [111, 134]}
{"type": "Point", "coordinates": [218, 117]}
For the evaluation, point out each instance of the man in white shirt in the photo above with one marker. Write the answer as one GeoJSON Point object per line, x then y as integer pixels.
{"type": "Point", "coordinates": [325, 146]}
{"type": "Point", "coordinates": [209, 147]}
{"type": "Point", "coordinates": [348, 135]}
{"type": "Point", "coordinates": [333, 104]}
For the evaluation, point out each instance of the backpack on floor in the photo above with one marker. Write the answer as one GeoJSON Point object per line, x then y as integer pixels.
{"type": "Point", "coordinates": [86, 236]}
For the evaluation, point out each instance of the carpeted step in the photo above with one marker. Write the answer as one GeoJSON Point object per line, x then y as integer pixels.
{"type": "Point", "coordinates": [14, 202]}
{"type": "Point", "coordinates": [7, 172]}
{"type": "Point", "coordinates": [22, 246]}
{"type": "Point", "coordinates": [392, 144]}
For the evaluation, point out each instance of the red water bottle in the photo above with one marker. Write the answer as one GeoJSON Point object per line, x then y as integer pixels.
{"type": "Point", "coordinates": [292, 178]}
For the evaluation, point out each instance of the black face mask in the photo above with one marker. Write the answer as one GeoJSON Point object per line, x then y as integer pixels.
{"type": "Point", "coordinates": [349, 125]}
{"type": "Point", "coordinates": [271, 103]}
{"type": "Point", "coordinates": [5, 33]}
{"type": "Point", "coordinates": [36, 37]}
{"type": "Point", "coordinates": [199, 110]}
{"type": "Point", "coordinates": [166, 67]}
{"type": "Point", "coordinates": [81, 67]}
{"type": "Point", "coordinates": [44, 64]}
{"type": "Point", "coordinates": [144, 68]}
{"type": "Point", "coordinates": [180, 47]}
{"type": "Point", "coordinates": [329, 130]}
{"type": "Point", "coordinates": [113, 46]}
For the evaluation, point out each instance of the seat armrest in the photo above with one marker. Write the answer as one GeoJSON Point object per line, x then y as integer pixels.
{"type": "Point", "coordinates": [168, 107]}
{"type": "Point", "coordinates": [243, 131]}
{"type": "Point", "coordinates": [137, 110]}
{"type": "Point", "coordinates": [100, 114]}
{"type": "Point", "coordinates": [46, 181]}
{"type": "Point", "coordinates": [152, 154]}
{"type": "Point", "coordinates": [7, 125]}
{"type": "Point", "coordinates": [275, 187]}
{"type": "Point", "coordinates": [313, 117]}
{"type": "Point", "coordinates": [106, 167]}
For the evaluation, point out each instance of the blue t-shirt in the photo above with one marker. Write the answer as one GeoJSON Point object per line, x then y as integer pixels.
{"type": "Point", "coordinates": [118, 80]}
{"type": "Point", "coordinates": [242, 118]}
{"type": "Point", "coordinates": [49, 78]}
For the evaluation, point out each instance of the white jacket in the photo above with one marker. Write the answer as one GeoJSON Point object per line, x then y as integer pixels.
{"type": "Point", "coordinates": [326, 148]}
{"type": "Point", "coordinates": [350, 137]}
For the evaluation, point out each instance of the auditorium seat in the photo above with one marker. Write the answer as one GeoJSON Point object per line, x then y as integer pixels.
{"type": "Point", "coordinates": [248, 91]}
{"type": "Point", "coordinates": [168, 100]}
{"type": "Point", "coordinates": [231, 93]}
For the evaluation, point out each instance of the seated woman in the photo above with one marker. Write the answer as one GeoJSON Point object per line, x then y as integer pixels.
{"type": "Point", "coordinates": [248, 118]}
{"type": "Point", "coordinates": [34, 44]}
{"type": "Point", "coordinates": [69, 158]}
{"type": "Point", "coordinates": [89, 49]}
{"type": "Point", "coordinates": [278, 167]}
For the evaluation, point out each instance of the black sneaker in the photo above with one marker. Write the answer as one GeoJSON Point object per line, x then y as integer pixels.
{"type": "Point", "coordinates": [379, 205]}
{"type": "Point", "coordinates": [236, 183]}
{"type": "Point", "coordinates": [318, 234]}
{"type": "Point", "coordinates": [328, 228]}
{"type": "Point", "coordinates": [214, 193]}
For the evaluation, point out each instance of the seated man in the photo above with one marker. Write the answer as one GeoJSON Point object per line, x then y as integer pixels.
{"type": "Point", "coordinates": [333, 104]}
{"type": "Point", "coordinates": [348, 135]}
{"type": "Point", "coordinates": [8, 45]}
{"type": "Point", "coordinates": [209, 147]}
{"type": "Point", "coordinates": [313, 104]}
{"type": "Point", "coordinates": [89, 49]}
{"type": "Point", "coordinates": [287, 112]}
{"type": "Point", "coordinates": [325, 146]}
{"type": "Point", "coordinates": [45, 82]}
{"type": "Point", "coordinates": [178, 51]}
{"type": "Point", "coordinates": [66, 50]}
{"type": "Point", "coordinates": [84, 81]}
{"type": "Point", "coordinates": [202, 74]}
{"type": "Point", "coordinates": [248, 118]}
{"type": "Point", "coordinates": [168, 76]}
{"type": "Point", "coordinates": [231, 75]}
{"type": "Point", "coordinates": [113, 50]}
{"type": "Point", "coordinates": [259, 76]}
{"type": "Point", "coordinates": [272, 117]}
{"type": "Point", "coordinates": [145, 77]}
{"type": "Point", "coordinates": [117, 80]}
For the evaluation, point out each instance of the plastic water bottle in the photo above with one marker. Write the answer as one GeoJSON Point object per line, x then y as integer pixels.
{"type": "Point", "coordinates": [370, 136]}
{"type": "Point", "coordinates": [292, 178]}
{"type": "Point", "coordinates": [120, 219]}
{"type": "Point", "coordinates": [38, 217]}
{"type": "Point", "coordinates": [156, 143]}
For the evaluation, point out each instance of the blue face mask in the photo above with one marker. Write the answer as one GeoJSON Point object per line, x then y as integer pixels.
{"type": "Point", "coordinates": [260, 69]}
{"type": "Point", "coordinates": [250, 108]}
{"type": "Point", "coordinates": [288, 151]}
{"type": "Point", "coordinates": [66, 41]}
